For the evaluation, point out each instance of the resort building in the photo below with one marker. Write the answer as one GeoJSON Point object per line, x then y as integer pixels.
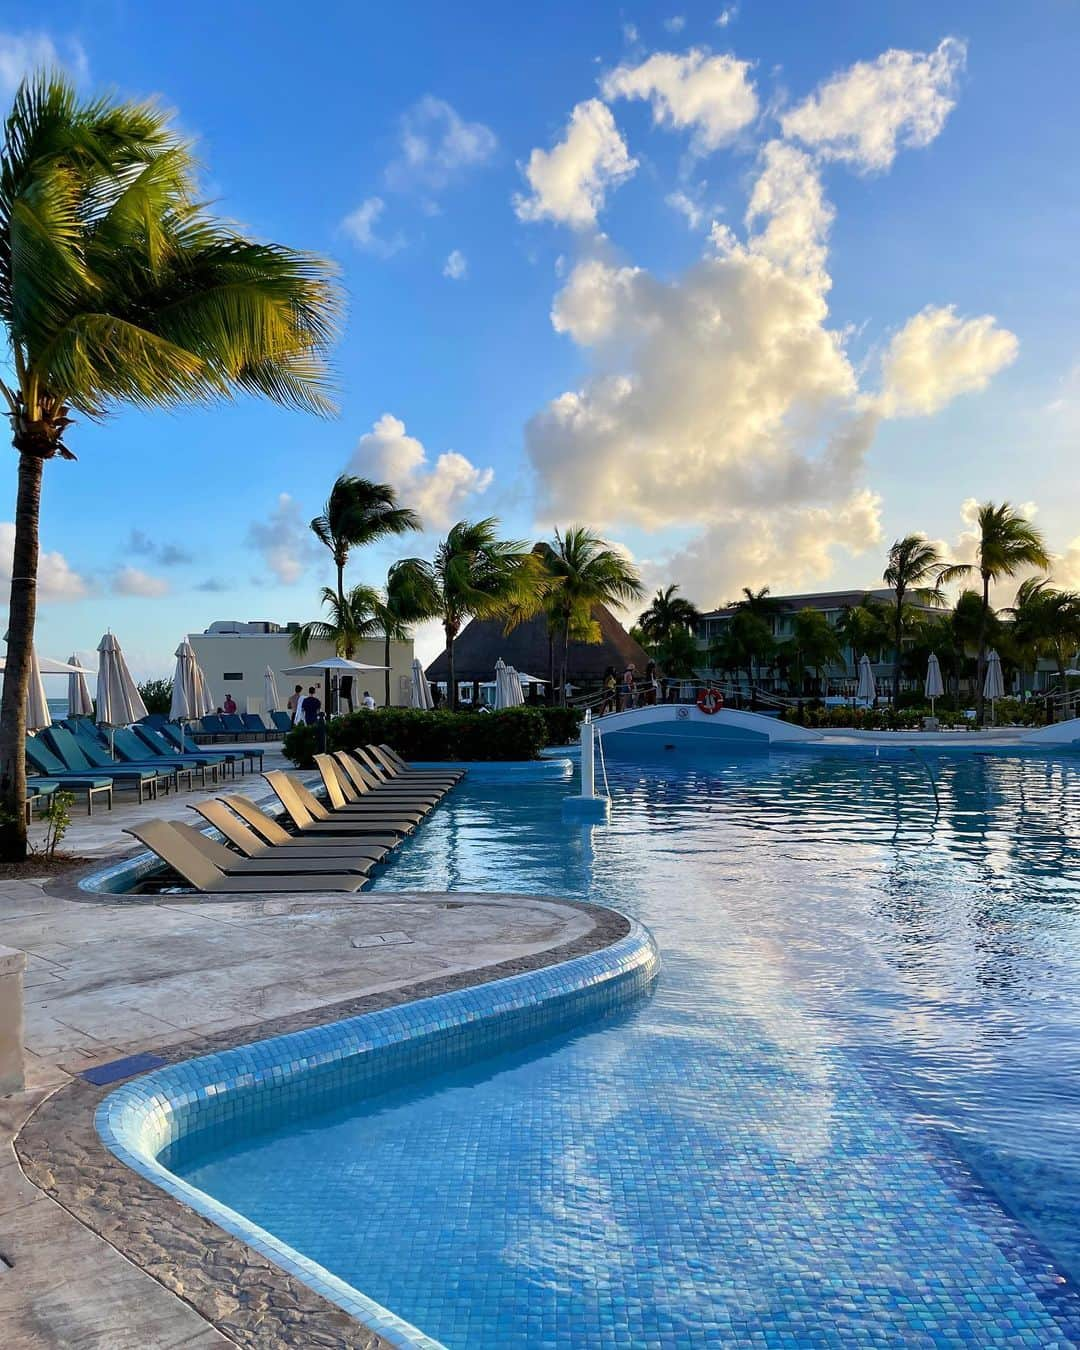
{"type": "Point", "coordinates": [234, 657]}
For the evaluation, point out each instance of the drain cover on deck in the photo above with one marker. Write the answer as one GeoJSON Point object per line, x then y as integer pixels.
{"type": "Point", "coordinates": [121, 1068]}
{"type": "Point", "coordinates": [381, 940]}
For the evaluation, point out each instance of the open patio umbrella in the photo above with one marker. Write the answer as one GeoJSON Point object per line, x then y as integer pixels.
{"type": "Point", "coordinates": [190, 697]}
{"type": "Point", "coordinates": [37, 709]}
{"type": "Point", "coordinates": [331, 668]}
{"type": "Point", "coordinates": [270, 693]}
{"type": "Point", "coordinates": [867, 686]}
{"type": "Point", "coordinates": [421, 690]}
{"type": "Point", "coordinates": [80, 704]}
{"type": "Point", "coordinates": [119, 703]}
{"type": "Point", "coordinates": [994, 683]}
{"type": "Point", "coordinates": [934, 687]}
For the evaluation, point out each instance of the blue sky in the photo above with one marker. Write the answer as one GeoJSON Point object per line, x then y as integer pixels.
{"type": "Point", "coordinates": [553, 284]}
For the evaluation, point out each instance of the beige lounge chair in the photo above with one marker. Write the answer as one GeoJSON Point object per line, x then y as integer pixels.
{"type": "Point", "coordinates": [174, 848]}
{"type": "Point", "coordinates": [344, 798]}
{"type": "Point", "coordinates": [269, 829]}
{"type": "Point", "coordinates": [284, 864]}
{"type": "Point", "coordinates": [307, 813]}
{"type": "Point", "coordinates": [396, 767]}
{"type": "Point", "coordinates": [366, 776]}
{"type": "Point", "coordinates": [249, 844]}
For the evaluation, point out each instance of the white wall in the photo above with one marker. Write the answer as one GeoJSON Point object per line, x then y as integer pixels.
{"type": "Point", "coordinates": [248, 655]}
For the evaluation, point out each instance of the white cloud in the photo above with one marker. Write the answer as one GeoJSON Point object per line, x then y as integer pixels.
{"type": "Point", "coordinates": [710, 95]}
{"type": "Point", "coordinates": [359, 225]}
{"type": "Point", "coordinates": [864, 115]}
{"type": "Point", "coordinates": [570, 181]}
{"type": "Point", "coordinates": [284, 541]}
{"type": "Point", "coordinates": [937, 356]}
{"type": "Point", "coordinates": [787, 197]}
{"type": "Point", "coordinates": [57, 579]}
{"type": "Point", "coordinates": [727, 16]}
{"type": "Point", "coordinates": [456, 266]}
{"type": "Point", "coordinates": [438, 491]}
{"type": "Point", "coordinates": [676, 23]}
{"type": "Point", "coordinates": [134, 581]}
{"type": "Point", "coordinates": [23, 54]}
{"type": "Point", "coordinates": [593, 300]}
{"type": "Point", "coordinates": [436, 147]}
{"type": "Point", "coordinates": [690, 206]}
{"type": "Point", "coordinates": [629, 32]}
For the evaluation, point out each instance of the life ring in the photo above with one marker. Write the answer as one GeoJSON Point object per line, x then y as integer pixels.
{"type": "Point", "coordinates": [710, 701]}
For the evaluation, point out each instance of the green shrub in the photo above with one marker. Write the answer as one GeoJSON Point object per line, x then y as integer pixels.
{"type": "Point", "coordinates": [563, 724]}
{"type": "Point", "coordinates": [416, 734]}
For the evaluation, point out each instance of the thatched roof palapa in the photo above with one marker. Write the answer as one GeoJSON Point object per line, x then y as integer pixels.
{"type": "Point", "coordinates": [482, 642]}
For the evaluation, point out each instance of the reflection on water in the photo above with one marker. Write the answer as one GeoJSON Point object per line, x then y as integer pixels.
{"type": "Point", "coordinates": [922, 911]}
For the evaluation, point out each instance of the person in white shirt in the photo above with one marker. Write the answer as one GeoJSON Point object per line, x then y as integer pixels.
{"type": "Point", "coordinates": [367, 701]}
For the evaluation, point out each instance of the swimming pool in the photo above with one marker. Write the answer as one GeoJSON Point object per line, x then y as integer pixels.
{"type": "Point", "coordinates": [848, 1114]}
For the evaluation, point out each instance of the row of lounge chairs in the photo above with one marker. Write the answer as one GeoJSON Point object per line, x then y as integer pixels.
{"type": "Point", "coordinates": [239, 726]}
{"type": "Point", "coordinates": [76, 756]}
{"type": "Point", "coordinates": [374, 801]}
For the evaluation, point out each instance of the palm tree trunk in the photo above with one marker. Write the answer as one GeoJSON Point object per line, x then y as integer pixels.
{"type": "Point", "coordinates": [450, 675]}
{"type": "Point", "coordinates": [565, 660]}
{"type": "Point", "coordinates": [898, 630]}
{"type": "Point", "coordinates": [386, 663]}
{"type": "Point", "coordinates": [22, 613]}
{"type": "Point", "coordinates": [551, 662]}
{"type": "Point", "coordinates": [980, 666]}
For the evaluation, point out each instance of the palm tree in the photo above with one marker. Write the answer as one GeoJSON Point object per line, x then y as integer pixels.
{"type": "Point", "coordinates": [356, 513]}
{"type": "Point", "coordinates": [667, 614]}
{"type": "Point", "coordinates": [915, 567]}
{"type": "Point", "coordinates": [475, 574]}
{"type": "Point", "coordinates": [585, 571]}
{"type": "Point", "coordinates": [346, 625]}
{"type": "Point", "coordinates": [1008, 543]}
{"type": "Point", "coordinates": [117, 286]}
{"type": "Point", "coordinates": [759, 603]}
{"type": "Point", "coordinates": [813, 642]}
{"type": "Point", "coordinates": [1046, 622]}
{"type": "Point", "coordinates": [410, 597]}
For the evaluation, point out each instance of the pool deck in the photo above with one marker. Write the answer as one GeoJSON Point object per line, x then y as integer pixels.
{"type": "Point", "coordinates": [174, 976]}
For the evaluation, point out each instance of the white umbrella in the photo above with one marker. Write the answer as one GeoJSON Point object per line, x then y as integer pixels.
{"type": "Point", "coordinates": [331, 668]}
{"type": "Point", "coordinates": [867, 687]}
{"type": "Point", "coordinates": [190, 697]}
{"type": "Point", "coordinates": [37, 709]}
{"type": "Point", "coordinates": [994, 684]}
{"type": "Point", "coordinates": [119, 703]}
{"type": "Point", "coordinates": [421, 690]}
{"type": "Point", "coordinates": [80, 703]}
{"type": "Point", "coordinates": [503, 698]}
{"type": "Point", "coordinates": [934, 687]}
{"type": "Point", "coordinates": [517, 694]}
{"type": "Point", "coordinates": [270, 693]}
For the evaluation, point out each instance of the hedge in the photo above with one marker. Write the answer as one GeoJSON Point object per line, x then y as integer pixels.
{"type": "Point", "coordinates": [515, 733]}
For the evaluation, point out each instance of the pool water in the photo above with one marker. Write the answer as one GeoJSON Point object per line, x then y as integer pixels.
{"type": "Point", "coordinates": [847, 1115]}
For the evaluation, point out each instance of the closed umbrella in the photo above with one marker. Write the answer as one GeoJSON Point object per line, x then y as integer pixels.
{"type": "Point", "coordinates": [867, 687]}
{"type": "Point", "coordinates": [502, 685]}
{"type": "Point", "coordinates": [934, 687]}
{"type": "Point", "coordinates": [119, 703]}
{"type": "Point", "coordinates": [80, 703]}
{"type": "Point", "coordinates": [270, 693]}
{"type": "Point", "coordinates": [421, 690]}
{"type": "Point", "coordinates": [190, 696]}
{"type": "Point", "coordinates": [994, 684]}
{"type": "Point", "coordinates": [517, 694]}
{"type": "Point", "coordinates": [37, 709]}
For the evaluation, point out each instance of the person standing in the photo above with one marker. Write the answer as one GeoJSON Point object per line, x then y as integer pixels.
{"type": "Point", "coordinates": [368, 701]}
{"type": "Point", "coordinates": [293, 705]}
{"type": "Point", "coordinates": [311, 707]}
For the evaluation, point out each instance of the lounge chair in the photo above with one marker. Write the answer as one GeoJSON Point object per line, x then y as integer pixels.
{"type": "Point", "coordinates": [248, 843]}
{"type": "Point", "coordinates": [232, 725]}
{"type": "Point", "coordinates": [157, 744]}
{"type": "Point", "coordinates": [376, 769]}
{"type": "Point", "coordinates": [270, 830]}
{"type": "Point", "coordinates": [359, 783]}
{"type": "Point", "coordinates": [345, 799]}
{"type": "Point", "coordinates": [84, 756]}
{"type": "Point", "coordinates": [175, 848]}
{"type": "Point", "coordinates": [132, 750]}
{"type": "Point", "coordinates": [38, 790]}
{"type": "Point", "coordinates": [255, 724]}
{"type": "Point", "coordinates": [308, 813]}
{"type": "Point", "coordinates": [43, 758]}
{"type": "Point", "coordinates": [396, 767]}
{"type": "Point", "coordinates": [275, 864]}
{"type": "Point", "coordinates": [283, 721]}
{"type": "Point", "coordinates": [245, 756]}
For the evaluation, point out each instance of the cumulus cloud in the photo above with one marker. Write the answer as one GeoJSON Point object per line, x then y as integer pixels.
{"type": "Point", "coordinates": [865, 114]}
{"type": "Point", "coordinates": [712, 96]}
{"type": "Point", "coordinates": [360, 225]}
{"type": "Point", "coordinates": [689, 205]}
{"type": "Point", "coordinates": [284, 541]}
{"type": "Point", "coordinates": [788, 203]}
{"type": "Point", "coordinates": [167, 554]}
{"type": "Point", "coordinates": [727, 16]}
{"type": "Point", "coordinates": [570, 182]}
{"type": "Point", "coordinates": [937, 356]}
{"type": "Point", "coordinates": [438, 492]}
{"type": "Point", "coordinates": [22, 54]}
{"type": "Point", "coordinates": [134, 581]}
{"type": "Point", "coordinates": [436, 146]}
{"type": "Point", "coordinates": [57, 579]}
{"type": "Point", "coordinates": [456, 266]}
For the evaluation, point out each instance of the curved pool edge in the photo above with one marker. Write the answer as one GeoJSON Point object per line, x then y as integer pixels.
{"type": "Point", "coordinates": [220, 1092]}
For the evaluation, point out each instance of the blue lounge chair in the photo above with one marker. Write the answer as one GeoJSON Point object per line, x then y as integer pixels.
{"type": "Point", "coordinates": [232, 725]}
{"type": "Point", "coordinates": [254, 723]}
{"type": "Point", "coordinates": [46, 762]}
{"type": "Point", "coordinates": [122, 749]}
{"type": "Point", "coordinates": [283, 722]}
{"type": "Point", "coordinates": [130, 748]}
{"type": "Point", "coordinates": [38, 790]}
{"type": "Point", "coordinates": [211, 725]}
{"type": "Point", "coordinates": [185, 742]}
{"type": "Point", "coordinates": [81, 756]}
{"type": "Point", "coordinates": [158, 744]}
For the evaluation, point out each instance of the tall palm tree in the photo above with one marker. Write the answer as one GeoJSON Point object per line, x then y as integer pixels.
{"type": "Point", "coordinates": [1046, 622]}
{"type": "Point", "coordinates": [1008, 543]}
{"type": "Point", "coordinates": [813, 642]}
{"type": "Point", "coordinates": [346, 625]}
{"type": "Point", "coordinates": [117, 286]}
{"type": "Point", "coordinates": [356, 513]}
{"type": "Point", "coordinates": [585, 571]}
{"type": "Point", "coordinates": [759, 603]}
{"type": "Point", "coordinates": [667, 614]}
{"type": "Point", "coordinates": [410, 597]}
{"type": "Point", "coordinates": [914, 568]}
{"type": "Point", "coordinates": [475, 574]}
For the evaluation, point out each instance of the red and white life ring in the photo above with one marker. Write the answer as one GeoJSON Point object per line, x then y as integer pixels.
{"type": "Point", "coordinates": [710, 701]}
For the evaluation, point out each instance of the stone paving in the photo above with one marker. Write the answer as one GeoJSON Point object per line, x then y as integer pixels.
{"type": "Point", "coordinates": [178, 976]}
